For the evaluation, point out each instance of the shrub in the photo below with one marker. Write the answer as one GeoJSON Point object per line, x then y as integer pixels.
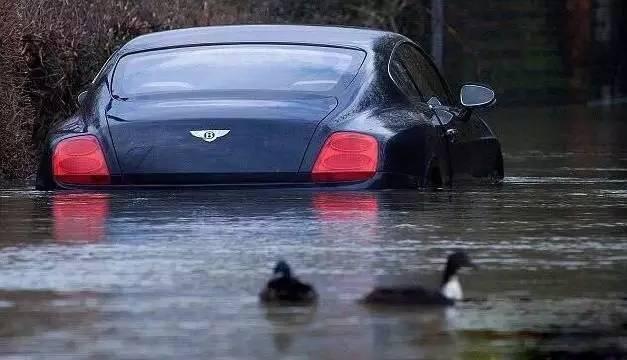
{"type": "Point", "coordinates": [16, 112]}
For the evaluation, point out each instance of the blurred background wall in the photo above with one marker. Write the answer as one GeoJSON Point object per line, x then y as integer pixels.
{"type": "Point", "coordinates": [540, 52]}
{"type": "Point", "coordinates": [533, 52]}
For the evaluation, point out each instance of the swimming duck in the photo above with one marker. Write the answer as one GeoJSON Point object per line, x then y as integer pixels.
{"type": "Point", "coordinates": [285, 288]}
{"type": "Point", "coordinates": [450, 289]}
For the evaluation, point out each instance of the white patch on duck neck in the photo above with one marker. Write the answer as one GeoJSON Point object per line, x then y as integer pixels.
{"type": "Point", "coordinates": [452, 289]}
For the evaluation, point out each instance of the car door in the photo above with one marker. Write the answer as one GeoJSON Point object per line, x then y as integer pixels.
{"type": "Point", "coordinates": [462, 135]}
{"type": "Point", "coordinates": [402, 64]}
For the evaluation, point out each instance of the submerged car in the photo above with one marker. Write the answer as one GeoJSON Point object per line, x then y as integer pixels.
{"type": "Point", "coordinates": [272, 105]}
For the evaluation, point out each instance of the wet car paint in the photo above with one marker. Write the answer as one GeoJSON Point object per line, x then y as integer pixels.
{"type": "Point", "coordinates": [147, 143]}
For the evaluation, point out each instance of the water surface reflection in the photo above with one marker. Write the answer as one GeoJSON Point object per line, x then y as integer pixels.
{"type": "Point", "coordinates": [345, 205]}
{"type": "Point", "coordinates": [79, 217]}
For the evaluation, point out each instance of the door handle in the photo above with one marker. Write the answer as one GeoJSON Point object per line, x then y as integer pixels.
{"type": "Point", "coordinates": [451, 135]}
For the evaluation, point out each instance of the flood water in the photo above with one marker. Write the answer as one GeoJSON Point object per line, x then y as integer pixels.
{"type": "Point", "coordinates": [175, 274]}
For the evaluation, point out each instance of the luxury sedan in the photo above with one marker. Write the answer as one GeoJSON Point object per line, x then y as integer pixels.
{"type": "Point", "coordinates": [272, 106]}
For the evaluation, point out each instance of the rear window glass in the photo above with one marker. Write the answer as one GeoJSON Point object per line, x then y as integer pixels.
{"type": "Point", "coordinates": [236, 67]}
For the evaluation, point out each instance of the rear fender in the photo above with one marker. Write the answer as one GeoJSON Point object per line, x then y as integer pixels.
{"type": "Point", "coordinates": [406, 139]}
{"type": "Point", "coordinates": [88, 120]}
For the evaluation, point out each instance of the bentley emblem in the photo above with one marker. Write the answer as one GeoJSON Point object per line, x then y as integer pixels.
{"type": "Point", "coordinates": [209, 135]}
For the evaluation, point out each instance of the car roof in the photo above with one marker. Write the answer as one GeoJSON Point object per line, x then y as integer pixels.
{"type": "Point", "coordinates": [362, 38]}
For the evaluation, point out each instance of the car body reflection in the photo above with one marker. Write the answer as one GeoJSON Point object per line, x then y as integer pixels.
{"type": "Point", "coordinates": [80, 217]}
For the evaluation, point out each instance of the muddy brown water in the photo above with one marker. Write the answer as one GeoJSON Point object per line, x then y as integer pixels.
{"type": "Point", "coordinates": [165, 275]}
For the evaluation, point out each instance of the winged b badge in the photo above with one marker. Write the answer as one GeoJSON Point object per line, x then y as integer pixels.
{"type": "Point", "coordinates": [209, 135]}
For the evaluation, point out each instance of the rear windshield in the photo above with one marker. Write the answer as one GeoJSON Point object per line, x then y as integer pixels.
{"type": "Point", "coordinates": [236, 67]}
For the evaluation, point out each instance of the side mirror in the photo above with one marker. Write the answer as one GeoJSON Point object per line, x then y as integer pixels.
{"type": "Point", "coordinates": [474, 96]}
{"type": "Point", "coordinates": [81, 97]}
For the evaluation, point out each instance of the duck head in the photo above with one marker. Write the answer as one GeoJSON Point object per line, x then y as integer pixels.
{"type": "Point", "coordinates": [450, 287]}
{"type": "Point", "coordinates": [282, 270]}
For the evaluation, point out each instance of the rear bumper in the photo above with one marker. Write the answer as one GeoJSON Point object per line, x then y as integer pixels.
{"type": "Point", "coordinates": [381, 180]}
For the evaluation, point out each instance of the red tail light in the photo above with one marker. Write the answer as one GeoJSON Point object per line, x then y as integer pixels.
{"type": "Point", "coordinates": [80, 161]}
{"type": "Point", "coordinates": [347, 156]}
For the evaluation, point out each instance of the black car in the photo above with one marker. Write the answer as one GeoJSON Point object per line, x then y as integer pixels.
{"type": "Point", "coordinates": [271, 105]}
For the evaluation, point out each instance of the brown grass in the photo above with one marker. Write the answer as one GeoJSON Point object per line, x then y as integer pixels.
{"type": "Point", "coordinates": [16, 111]}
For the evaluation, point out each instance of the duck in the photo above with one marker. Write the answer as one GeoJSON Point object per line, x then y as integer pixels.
{"type": "Point", "coordinates": [448, 294]}
{"type": "Point", "coordinates": [284, 287]}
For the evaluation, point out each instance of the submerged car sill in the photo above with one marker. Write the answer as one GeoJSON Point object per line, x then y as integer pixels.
{"type": "Point", "coordinates": [380, 180]}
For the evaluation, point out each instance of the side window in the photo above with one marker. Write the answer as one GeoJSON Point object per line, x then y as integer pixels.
{"type": "Point", "coordinates": [423, 73]}
{"type": "Point", "coordinates": [401, 77]}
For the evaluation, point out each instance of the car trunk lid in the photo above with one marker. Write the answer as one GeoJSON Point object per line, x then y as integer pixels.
{"type": "Point", "coordinates": [217, 140]}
